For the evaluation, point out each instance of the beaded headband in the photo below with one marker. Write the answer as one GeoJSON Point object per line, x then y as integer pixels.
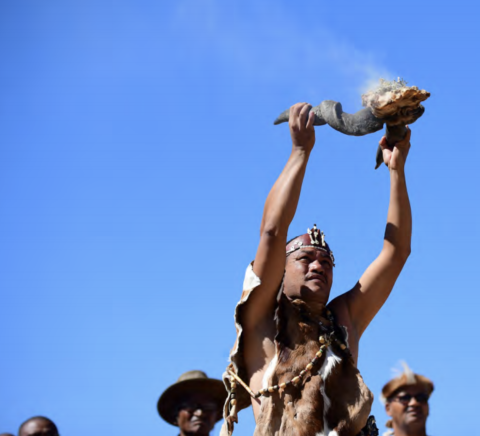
{"type": "Point", "coordinates": [311, 239]}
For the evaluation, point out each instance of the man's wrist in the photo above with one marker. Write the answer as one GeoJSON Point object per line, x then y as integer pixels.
{"type": "Point", "coordinates": [300, 152]}
{"type": "Point", "coordinates": [398, 172]}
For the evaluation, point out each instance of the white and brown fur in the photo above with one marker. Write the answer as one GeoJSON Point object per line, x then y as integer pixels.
{"type": "Point", "coordinates": [332, 401]}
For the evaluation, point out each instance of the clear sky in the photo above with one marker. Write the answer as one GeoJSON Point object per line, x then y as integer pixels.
{"type": "Point", "coordinates": [136, 152]}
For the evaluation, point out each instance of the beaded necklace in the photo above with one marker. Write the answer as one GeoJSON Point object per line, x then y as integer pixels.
{"type": "Point", "coordinates": [325, 341]}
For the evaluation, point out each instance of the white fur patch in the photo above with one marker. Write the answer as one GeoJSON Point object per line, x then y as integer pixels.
{"type": "Point", "coordinates": [331, 360]}
{"type": "Point", "coordinates": [332, 433]}
{"type": "Point", "coordinates": [269, 372]}
{"type": "Point", "coordinates": [326, 405]}
{"type": "Point", "coordinates": [251, 280]}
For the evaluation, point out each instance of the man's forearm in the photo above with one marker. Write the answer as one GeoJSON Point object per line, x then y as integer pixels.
{"type": "Point", "coordinates": [280, 208]}
{"type": "Point", "coordinates": [282, 200]}
{"type": "Point", "coordinates": [398, 233]}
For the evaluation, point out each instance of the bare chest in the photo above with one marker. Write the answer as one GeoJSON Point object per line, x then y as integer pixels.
{"type": "Point", "coordinates": [306, 378]}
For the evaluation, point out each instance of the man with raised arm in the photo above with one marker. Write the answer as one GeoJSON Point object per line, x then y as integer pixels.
{"type": "Point", "coordinates": [295, 356]}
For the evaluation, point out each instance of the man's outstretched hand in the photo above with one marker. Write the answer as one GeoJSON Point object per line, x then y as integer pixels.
{"type": "Point", "coordinates": [395, 157]}
{"type": "Point", "coordinates": [301, 127]}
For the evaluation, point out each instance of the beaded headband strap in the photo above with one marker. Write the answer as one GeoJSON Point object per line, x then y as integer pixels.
{"type": "Point", "coordinates": [311, 239]}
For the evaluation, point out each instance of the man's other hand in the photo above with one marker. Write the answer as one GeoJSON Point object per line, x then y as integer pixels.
{"type": "Point", "coordinates": [395, 157]}
{"type": "Point", "coordinates": [301, 127]}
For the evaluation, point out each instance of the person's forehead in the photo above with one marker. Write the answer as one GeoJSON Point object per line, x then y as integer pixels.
{"type": "Point", "coordinates": [198, 397]}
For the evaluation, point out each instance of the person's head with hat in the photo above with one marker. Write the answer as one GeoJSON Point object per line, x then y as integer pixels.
{"type": "Point", "coordinates": [194, 403]}
{"type": "Point", "coordinates": [406, 402]}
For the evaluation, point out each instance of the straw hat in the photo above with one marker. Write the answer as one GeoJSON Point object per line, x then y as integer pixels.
{"type": "Point", "coordinates": [188, 383]}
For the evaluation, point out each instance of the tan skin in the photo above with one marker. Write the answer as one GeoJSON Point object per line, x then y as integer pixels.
{"type": "Point", "coordinates": [409, 419]}
{"type": "Point", "coordinates": [354, 309]}
{"type": "Point", "coordinates": [197, 415]}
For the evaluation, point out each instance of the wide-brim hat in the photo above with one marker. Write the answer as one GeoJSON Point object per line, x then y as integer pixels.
{"type": "Point", "coordinates": [407, 378]}
{"type": "Point", "coordinates": [188, 382]}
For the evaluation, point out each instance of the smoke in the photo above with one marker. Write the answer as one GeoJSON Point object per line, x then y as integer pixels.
{"type": "Point", "coordinates": [362, 67]}
{"type": "Point", "coordinates": [372, 80]}
{"type": "Point", "coordinates": [268, 45]}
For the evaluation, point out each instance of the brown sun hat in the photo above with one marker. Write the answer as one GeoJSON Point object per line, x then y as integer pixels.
{"type": "Point", "coordinates": [188, 382]}
{"type": "Point", "coordinates": [406, 378]}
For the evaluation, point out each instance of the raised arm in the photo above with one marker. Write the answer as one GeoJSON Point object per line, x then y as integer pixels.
{"type": "Point", "coordinates": [372, 290]}
{"type": "Point", "coordinates": [278, 213]}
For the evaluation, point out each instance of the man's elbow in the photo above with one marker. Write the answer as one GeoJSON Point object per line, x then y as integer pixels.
{"type": "Point", "coordinates": [402, 254]}
{"type": "Point", "coordinates": [272, 231]}
{"type": "Point", "coordinates": [398, 255]}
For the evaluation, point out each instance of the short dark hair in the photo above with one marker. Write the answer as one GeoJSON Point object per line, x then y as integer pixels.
{"type": "Point", "coordinates": [39, 418]}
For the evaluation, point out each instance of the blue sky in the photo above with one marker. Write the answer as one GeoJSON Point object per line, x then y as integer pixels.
{"type": "Point", "coordinates": [136, 152]}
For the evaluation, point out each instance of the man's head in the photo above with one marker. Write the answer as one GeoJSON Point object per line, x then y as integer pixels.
{"type": "Point", "coordinates": [408, 408]}
{"type": "Point", "coordinates": [38, 426]}
{"type": "Point", "coordinates": [309, 267]}
{"type": "Point", "coordinates": [197, 414]}
{"type": "Point", "coordinates": [194, 403]}
{"type": "Point", "coordinates": [406, 401]}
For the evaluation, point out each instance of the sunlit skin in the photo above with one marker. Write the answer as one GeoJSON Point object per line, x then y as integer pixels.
{"type": "Point", "coordinates": [309, 275]}
{"type": "Point", "coordinates": [197, 415]}
{"type": "Point", "coordinates": [408, 419]}
{"type": "Point", "coordinates": [38, 427]}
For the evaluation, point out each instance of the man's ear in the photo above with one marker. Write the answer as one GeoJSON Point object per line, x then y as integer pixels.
{"type": "Point", "coordinates": [387, 409]}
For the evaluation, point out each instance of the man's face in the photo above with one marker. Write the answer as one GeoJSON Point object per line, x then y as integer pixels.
{"type": "Point", "coordinates": [197, 415]}
{"type": "Point", "coordinates": [409, 408]}
{"type": "Point", "coordinates": [308, 275]}
{"type": "Point", "coordinates": [38, 427]}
